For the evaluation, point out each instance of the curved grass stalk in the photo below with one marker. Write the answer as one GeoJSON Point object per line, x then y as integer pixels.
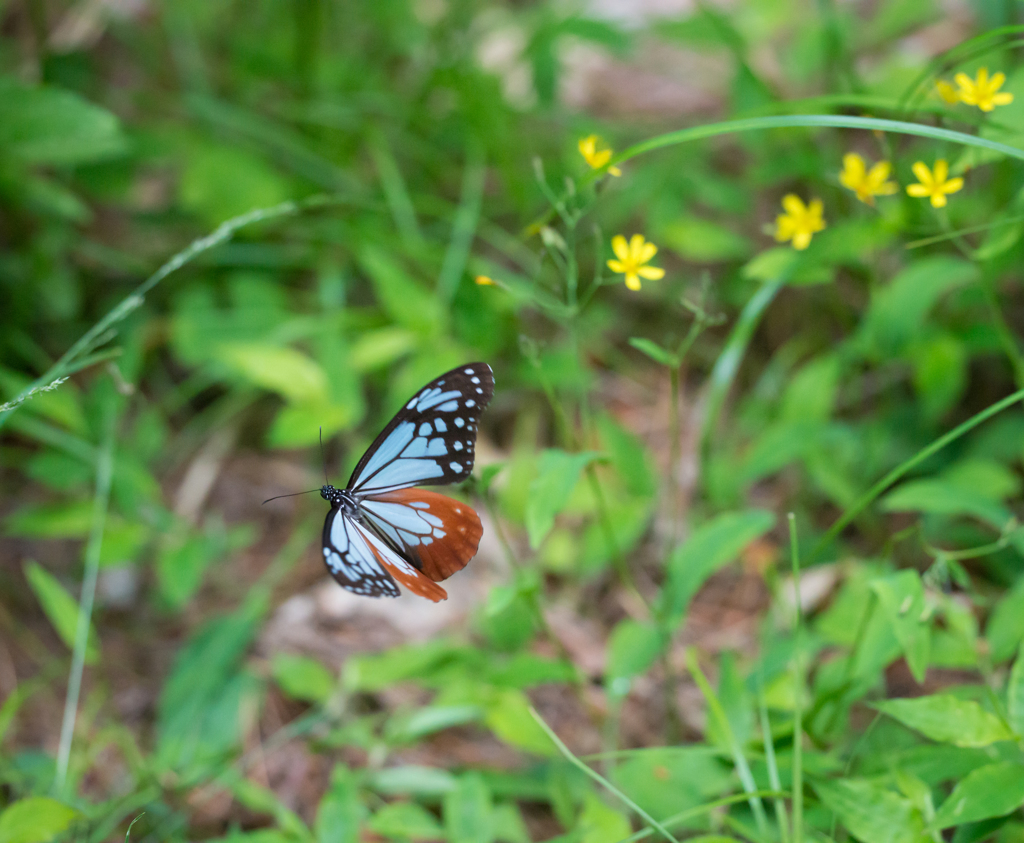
{"type": "Point", "coordinates": [102, 330]}
{"type": "Point", "coordinates": [601, 780]}
{"type": "Point", "coordinates": [871, 494]}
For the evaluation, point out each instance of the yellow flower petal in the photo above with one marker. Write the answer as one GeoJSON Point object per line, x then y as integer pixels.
{"type": "Point", "coordinates": [651, 273]}
{"type": "Point", "coordinates": [587, 146]}
{"type": "Point", "coordinates": [632, 281]}
{"type": "Point", "coordinates": [918, 190]}
{"type": "Point", "coordinates": [953, 185]}
{"type": "Point", "coordinates": [647, 251]}
{"type": "Point", "coordinates": [950, 94]}
{"type": "Point", "coordinates": [801, 240]}
{"type": "Point", "coordinates": [636, 245]}
{"type": "Point", "coordinates": [616, 266]}
{"type": "Point", "coordinates": [621, 249]}
{"type": "Point", "coordinates": [940, 170]}
{"type": "Point", "coordinates": [924, 175]}
{"type": "Point", "coordinates": [938, 200]}
{"type": "Point", "coordinates": [615, 171]}
{"type": "Point", "coordinates": [1004, 98]}
{"type": "Point", "coordinates": [484, 281]}
{"type": "Point", "coordinates": [792, 204]}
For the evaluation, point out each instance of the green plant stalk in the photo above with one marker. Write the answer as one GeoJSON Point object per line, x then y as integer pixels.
{"type": "Point", "coordinates": [960, 232]}
{"type": "Point", "coordinates": [101, 501]}
{"type": "Point", "coordinates": [601, 780]}
{"type": "Point", "coordinates": [781, 818]}
{"type": "Point", "coordinates": [798, 721]}
{"type": "Point", "coordinates": [464, 226]}
{"type": "Point", "coordinates": [682, 816]}
{"type": "Point", "coordinates": [871, 494]}
{"type": "Point", "coordinates": [735, 750]}
{"type": "Point", "coordinates": [134, 300]}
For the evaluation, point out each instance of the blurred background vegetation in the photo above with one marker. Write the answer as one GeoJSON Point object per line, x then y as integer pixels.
{"type": "Point", "coordinates": [359, 164]}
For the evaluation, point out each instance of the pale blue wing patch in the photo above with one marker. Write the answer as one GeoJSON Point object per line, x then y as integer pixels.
{"type": "Point", "coordinates": [351, 561]}
{"type": "Point", "coordinates": [401, 523]}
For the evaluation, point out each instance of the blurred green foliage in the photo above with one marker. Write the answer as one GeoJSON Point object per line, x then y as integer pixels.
{"type": "Point", "coordinates": [356, 165]}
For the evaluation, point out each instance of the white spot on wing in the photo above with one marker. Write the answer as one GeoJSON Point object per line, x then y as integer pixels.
{"type": "Point", "coordinates": [456, 467]}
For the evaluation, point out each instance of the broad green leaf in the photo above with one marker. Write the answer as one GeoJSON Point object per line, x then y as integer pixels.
{"type": "Point", "coordinates": [220, 182]}
{"type": "Point", "coordinates": [780, 444]}
{"type": "Point", "coordinates": [406, 301]}
{"type": "Point", "coordinates": [43, 125]}
{"type": "Point", "coordinates": [430, 719]}
{"type": "Point", "coordinates": [374, 672]}
{"type": "Point", "coordinates": [990, 791]}
{"type": "Point", "coordinates": [940, 497]}
{"type": "Point", "coordinates": [666, 781]}
{"type": "Point", "coordinates": [710, 547]}
{"type": "Point", "coordinates": [632, 648]}
{"type": "Point", "coordinates": [467, 811]}
{"type": "Point", "coordinates": [1015, 694]}
{"type": "Point", "coordinates": [37, 819]}
{"type": "Point", "coordinates": [413, 780]}
{"type": "Point", "coordinates": [60, 607]}
{"type": "Point", "coordinates": [654, 351]}
{"type": "Point", "coordinates": [406, 821]}
{"type": "Point", "coordinates": [629, 456]}
{"type": "Point", "coordinates": [377, 349]}
{"type": "Point", "coordinates": [870, 812]}
{"type": "Point", "coordinates": [946, 719]}
{"type": "Point", "coordinates": [71, 520]}
{"type": "Point", "coordinates": [508, 716]}
{"type": "Point", "coordinates": [901, 598]}
{"type": "Point", "coordinates": [1005, 629]}
{"type": "Point", "coordinates": [703, 241]}
{"type": "Point", "coordinates": [508, 824]}
{"type": "Point", "coordinates": [811, 391]}
{"type": "Point", "coordinates": [299, 424]}
{"type": "Point", "coordinates": [599, 823]}
{"type": "Point", "coordinates": [340, 813]}
{"type": "Point", "coordinates": [302, 677]}
{"type": "Point", "coordinates": [899, 309]}
{"type": "Point", "coordinates": [557, 476]}
{"type": "Point", "coordinates": [281, 369]}
{"type": "Point", "coordinates": [940, 372]}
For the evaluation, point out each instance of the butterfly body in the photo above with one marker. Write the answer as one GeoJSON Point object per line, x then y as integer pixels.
{"type": "Point", "coordinates": [380, 530]}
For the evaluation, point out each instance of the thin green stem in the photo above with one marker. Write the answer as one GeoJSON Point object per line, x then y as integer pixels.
{"type": "Point", "coordinates": [878, 488]}
{"type": "Point", "coordinates": [781, 818]}
{"type": "Point", "coordinates": [597, 777]}
{"type": "Point", "coordinates": [798, 722]}
{"type": "Point", "coordinates": [690, 814]}
{"type": "Point", "coordinates": [101, 501]}
{"type": "Point", "coordinates": [135, 299]}
{"type": "Point", "coordinates": [722, 721]}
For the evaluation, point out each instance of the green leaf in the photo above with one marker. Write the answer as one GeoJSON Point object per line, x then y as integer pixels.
{"type": "Point", "coordinates": [37, 819]}
{"type": "Point", "coordinates": [655, 351]}
{"type": "Point", "coordinates": [52, 126]}
{"type": "Point", "coordinates": [990, 791]}
{"type": "Point", "coordinates": [940, 497]}
{"type": "Point", "coordinates": [406, 301]}
{"type": "Point", "coordinates": [632, 648]}
{"type": "Point", "coordinates": [870, 812]}
{"type": "Point", "coordinates": [1015, 694]}
{"type": "Point", "coordinates": [901, 598]}
{"type": "Point", "coordinates": [898, 310]}
{"type": "Point", "coordinates": [60, 607]}
{"type": "Point", "coordinates": [940, 372]}
{"type": "Point", "coordinates": [667, 781]}
{"type": "Point", "coordinates": [710, 547]}
{"type": "Point", "coordinates": [508, 716]}
{"type": "Point", "coordinates": [220, 182]}
{"type": "Point", "coordinates": [557, 476]}
{"type": "Point", "coordinates": [467, 811]}
{"type": "Point", "coordinates": [946, 719]}
{"type": "Point", "coordinates": [71, 520]}
{"type": "Point", "coordinates": [299, 424]}
{"type": "Point", "coordinates": [413, 780]}
{"type": "Point", "coordinates": [340, 813]}
{"type": "Point", "coordinates": [508, 824]}
{"type": "Point", "coordinates": [289, 373]}
{"type": "Point", "coordinates": [302, 678]}
{"type": "Point", "coordinates": [599, 823]}
{"type": "Point", "coordinates": [703, 241]}
{"type": "Point", "coordinates": [629, 456]}
{"type": "Point", "coordinates": [430, 719]}
{"type": "Point", "coordinates": [1005, 629]}
{"type": "Point", "coordinates": [406, 820]}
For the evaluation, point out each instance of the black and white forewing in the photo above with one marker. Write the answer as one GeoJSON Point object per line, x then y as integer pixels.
{"type": "Point", "coordinates": [350, 559]}
{"type": "Point", "coordinates": [432, 439]}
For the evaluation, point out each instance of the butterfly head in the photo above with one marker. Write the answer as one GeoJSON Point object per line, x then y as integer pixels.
{"type": "Point", "coordinates": [329, 493]}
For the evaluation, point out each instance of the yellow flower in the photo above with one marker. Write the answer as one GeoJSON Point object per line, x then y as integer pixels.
{"type": "Point", "coordinates": [799, 222]}
{"type": "Point", "coordinates": [934, 183]}
{"type": "Point", "coordinates": [484, 281]}
{"type": "Point", "coordinates": [595, 158]}
{"type": "Point", "coordinates": [981, 91]}
{"type": "Point", "coordinates": [632, 259]}
{"type": "Point", "coordinates": [867, 184]}
{"type": "Point", "coordinates": [950, 94]}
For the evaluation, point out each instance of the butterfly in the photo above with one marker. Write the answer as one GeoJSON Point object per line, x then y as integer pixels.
{"type": "Point", "coordinates": [381, 531]}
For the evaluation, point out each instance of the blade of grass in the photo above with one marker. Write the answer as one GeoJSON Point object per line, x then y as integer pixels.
{"type": "Point", "coordinates": [937, 445]}
{"type": "Point", "coordinates": [464, 226]}
{"type": "Point", "coordinates": [224, 231]}
{"type": "Point", "coordinates": [601, 780]}
{"type": "Point", "coordinates": [728, 362]}
{"type": "Point", "coordinates": [104, 476]}
{"type": "Point", "coordinates": [396, 194]}
{"type": "Point", "coordinates": [798, 722]}
{"type": "Point", "coordinates": [690, 813]}
{"type": "Point", "coordinates": [952, 235]}
{"type": "Point", "coordinates": [735, 750]}
{"type": "Point", "coordinates": [770, 762]}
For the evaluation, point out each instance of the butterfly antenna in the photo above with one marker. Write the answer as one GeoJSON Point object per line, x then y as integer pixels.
{"type": "Point", "coordinates": [292, 495]}
{"type": "Point", "coordinates": [323, 456]}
